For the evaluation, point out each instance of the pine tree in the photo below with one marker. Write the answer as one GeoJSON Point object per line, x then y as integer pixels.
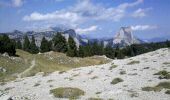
{"type": "Point", "coordinates": [72, 49]}
{"type": "Point", "coordinates": [33, 47]}
{"type": "Point", "coordinates": [109, 52]}
{"type": "Point", "coordinates": [60, 43]}
{"type": "Point", "coordinates": [7, 45]}
{"type": "Point", "coordinates": [44, 45]}
{"type": "Point", "coordinates": [18, 45]}
{"type": "Point", "coordinates": [97, 49]}
{"type": "Point", "coordinates": [26, 44]}
{"type": "Point", "coordinates": [88, 50]}
{"type": "Point", "coordinates": [81, 51]}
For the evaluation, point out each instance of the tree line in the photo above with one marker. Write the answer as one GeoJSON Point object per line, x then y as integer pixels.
{"type": "Point", "coordinates": [60, 44]}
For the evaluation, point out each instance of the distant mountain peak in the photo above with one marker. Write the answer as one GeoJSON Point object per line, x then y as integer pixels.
{"type": "Point", "coordinates": [125, 37]}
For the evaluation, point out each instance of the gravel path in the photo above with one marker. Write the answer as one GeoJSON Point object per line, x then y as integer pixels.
{"type": "Point", "coordinates": [96, 80]}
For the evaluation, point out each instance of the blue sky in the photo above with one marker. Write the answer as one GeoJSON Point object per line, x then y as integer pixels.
{"type": "Point", "coordinates": [95, 18]}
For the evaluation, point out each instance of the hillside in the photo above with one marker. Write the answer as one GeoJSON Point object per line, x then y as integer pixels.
{"type": "Point", "coordinates": [137, 78]}
{"type": "Point", "coordinates": [30, 64]}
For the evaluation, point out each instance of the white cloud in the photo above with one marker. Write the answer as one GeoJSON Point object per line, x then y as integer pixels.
{"type": "Point", "coordinates": [86, 30]}
{"type": "Point", "coordinates": [140, 12]}
{"type": "Point", "coordinates": [58, 15]}
{"type": "Point", "coordinates": [83, 12]}
{"type": "Point", "coordinates": [143, 27]}
{"type": "Point", "coordinates": [17, 3]}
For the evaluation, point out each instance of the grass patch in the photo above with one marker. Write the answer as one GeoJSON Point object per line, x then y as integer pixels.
{"type": "Point", "coordinates": [61, 72]}
{"type": "Point", "coordinates": [122, 72]}
{"type": "Point", "coordinates": [166, 63]}
{"type": "Point", "coordinates": [75, 75]}
{"type": "Point", "coordinates": [95, 99]}
{"type": "Point", "coordinates": [49, 81]}
{"type": "Point", "coordinates": [98, 92]}
{"type": "Point", "coordinates": [112, 66]}
{"type": "Point", "coordinates": [116, 80]}
{"type": "Point", "coordinates": [163, 74]}
{"type": "Point", "coordinates": [167, 92]}
{"type": "Point", "coordinates": [159, 87]}
{"type": "Point", "coordinates": [45, 62]}
{"type": "Point", "coordinates": [36, 84]}
{"type": "Point", "coordinates": [67, 92]}
{"type": "Point", "coordinates": [94, 77]}
{"type": "Point", "coordinates": [133, 62]}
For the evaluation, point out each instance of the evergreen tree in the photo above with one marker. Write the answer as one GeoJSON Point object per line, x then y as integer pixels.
{"type": "Point", "coordinates": [7, 45]}
{"type": "Point", "coordinates": [109, 52]}
{"type": "Point", "coordinates": [26, 44]}
{"type": "Point", "coordinates": [72, 49]}
{"type": "Point", "coordinates": [97, 49]}
{"type": "Point", "coordinates": [81, 51]}
{"type": "Point", "coordinates": [33, 48]}
{"type": "Point", "coordinates": [60, 43]}
{"type": "Point", "coordinates": [168, 43]}
{"type": "Point", "coordinates": [44, 45]}
{"type": "Point", "coordinates": [18, 45]}
{"type": "Point", "coordinates": [88, 50]}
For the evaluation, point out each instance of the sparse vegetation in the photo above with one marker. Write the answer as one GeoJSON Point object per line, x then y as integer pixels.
{"type": "Point", "coordinates": [163, 74]}
{"type": "Point", "coordinates": [159, 87]}
{"type": "Point", "coordinates": [98, 92]}
{"type": "Point", "coordinates": [61, 72]}
{"type": "Point", "coordinates": [94, 77]}
{"type": "Point", "coordinates": [167, 92]}
{"type": "Point", "coordinates": [166, 63]}
{"type": "Point", "coordinates": [67, 92]}
{"type": "Point", "coordinates": [36, 84]}
{"type": "Point", "coordinates": [49, 81]}
{"type": "Point", "coordinates": [95, 99]}
{"type": "Point", "coordinates": [122, 72]}
{"type": "Point", "coordinates": [45, 62]}
{"type": "Point", "coordinates": [116, 80]}
{"type": "Point", "coordinates": [112, 66]}
{"type": "Point", "coordinates": [90, 72]}
{"type": "Point", "coordinates": [133, 62]}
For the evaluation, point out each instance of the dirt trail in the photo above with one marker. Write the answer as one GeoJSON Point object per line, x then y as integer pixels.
{"type": "Point", "coordinates": [27, 70]}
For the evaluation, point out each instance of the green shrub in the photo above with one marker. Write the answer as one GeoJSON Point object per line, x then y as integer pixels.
{"type": "Point", "coordinates": [167, 92]}
{"type": "Point", "coordinates": [122, 72]}
{"type": "Point", "coordinates": [159, 87]}
{"type": "Point", "coordinates": [163, 74]}
{"type": "Point", "coordinates": [67, 92]}
{"type": "Point", "coordinates": [112, 66]}
{"type": "Point", "coordinates": [116, 80]}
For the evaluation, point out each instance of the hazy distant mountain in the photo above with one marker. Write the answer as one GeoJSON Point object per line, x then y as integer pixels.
{"type": "Point", "coordinates": [158, 39]}
{"type": "Point", "coordinates": [48, 34]}
{"type": "Point", "coordinates": [123, 37]}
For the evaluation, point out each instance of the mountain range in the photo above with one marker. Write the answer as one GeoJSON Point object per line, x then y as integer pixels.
{"type": "Point", "coordinates": [123, 37]}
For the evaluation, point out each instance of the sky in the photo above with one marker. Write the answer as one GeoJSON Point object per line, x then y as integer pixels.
{"type": "Point", "coordinates": [94, 18]}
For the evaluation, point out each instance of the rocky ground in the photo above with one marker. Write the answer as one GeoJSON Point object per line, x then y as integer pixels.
{"type": "Point", "coordinates": [135, 73]}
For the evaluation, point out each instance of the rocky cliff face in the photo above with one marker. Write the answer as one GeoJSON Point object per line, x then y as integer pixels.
{"type": "Point", "coordinates": [125, 37]}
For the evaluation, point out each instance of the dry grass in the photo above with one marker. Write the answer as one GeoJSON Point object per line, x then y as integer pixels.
{"type": "Point", "coordinates": [133, 62]}
{"type": "Point", "coordinates": [46, 62]}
